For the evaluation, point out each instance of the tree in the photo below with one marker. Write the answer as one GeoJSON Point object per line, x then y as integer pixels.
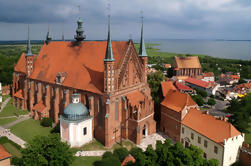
{"type": "Point", "coordinates": [47, 150]}
{"type": "Point", "coordinates": [198, 100]}
{"type": "Point", "coordinates": [201, 92]}
{"type": "Point", "coordinates": [211, 102]}
{"type": "Point", "coordinates": [46, 122]}
{"type": "Point", "coordinates": [121, 153]}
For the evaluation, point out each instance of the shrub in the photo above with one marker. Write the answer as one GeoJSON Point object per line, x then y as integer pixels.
{"type": "Point", "coordinates": [201, 92]}
{"type": "Point", "coordinates": [107, 155]}
{"type": "Point", "coordinates": [56, 129]}
{"type": "Point", "coordinates": [121, 153]}
{"type": "Point", "coordinates": [211, 101]}
{"type": "Point", "coordinates": [46, 122]}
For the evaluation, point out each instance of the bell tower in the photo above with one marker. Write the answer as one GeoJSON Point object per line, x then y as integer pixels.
{"type": "Point", "coordinates": [109, 71]}
{"type": "Point", "coordinates": [142, 51]}
{"type": "Point", "coordinates": [29, 57]}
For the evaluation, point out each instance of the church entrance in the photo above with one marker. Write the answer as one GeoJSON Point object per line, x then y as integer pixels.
{"type": "Point", "coordinates": [144, 131]}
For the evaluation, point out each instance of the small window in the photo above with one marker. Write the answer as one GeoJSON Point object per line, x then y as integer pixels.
{"type": "Point", "coordinates": [199, 140]}
{"type": "Point", "coordinates": [205, 155]}
{"type": "Point", "coordinates": [205, 143]}
{"type": "Point", "coordinates": [183, 130]}
{"type": "Point", "coordinates": [85, 131]}
{"type": "Point", "coordinates": [215, 149]}
{"type": "Point", "coordinates": [192, 135]}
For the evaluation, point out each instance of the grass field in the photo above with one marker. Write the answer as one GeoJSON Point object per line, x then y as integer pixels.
{"type": "Point", "coordinates": [10, 110]}
{"type": "Point", "coordinates": [85, 161]}
{"type": "Point", "coordinates": [248, 136]}
{"type": "Point", "coordinates": [7, 120]}
{"type": "Point", "coordinates": [5, 97]}
{"type": "Point", "coordinates": [30, 128]}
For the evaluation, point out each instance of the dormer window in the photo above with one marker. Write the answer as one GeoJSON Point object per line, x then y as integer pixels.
{"type": "Point", "coordinates": [60, 77]}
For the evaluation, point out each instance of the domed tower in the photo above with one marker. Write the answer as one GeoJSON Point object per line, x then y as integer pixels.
{"type": "Point", "coordinates": [76, 123]}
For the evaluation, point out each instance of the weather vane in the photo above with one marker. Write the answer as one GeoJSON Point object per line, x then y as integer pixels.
{"type": "Point", "coordinates": [142, 15]}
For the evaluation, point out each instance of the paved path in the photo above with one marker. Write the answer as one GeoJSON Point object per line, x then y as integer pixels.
{"type": "Point", "coordinates": [90, 153]}
{"type": "Point", "coordinates": [151, 139]}
{"type": "Point", "coordinates": [23, 118]}
{"type": "Point", "coordinates": [12, 137]}
{"type": "Point", "coordinates": [5, 103]}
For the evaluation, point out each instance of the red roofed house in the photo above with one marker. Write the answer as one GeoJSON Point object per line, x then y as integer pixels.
{"type": "Point", "coordinates": [208, 77]}
{"type": "Point", "coordinates": [128, 158]}
{"type": "Point", "coordinates": [217, 138]}
{"type": "Point", "coordinates": [209, 87]}
{"type": "Point", "coordinates": [4, 157]}
{"type": "Point", "coordinates": [228, 78]}
{"type": "Point", "coordinates": [110, 76]}
{"type": "Point", "coordinates": [173, 109]}
{"type": "Point", "coordinates": [166, 86]}
{"type": "Point", "coordinates": [183, 88]}
{"type": "Point", "coordinates": [187, 66]}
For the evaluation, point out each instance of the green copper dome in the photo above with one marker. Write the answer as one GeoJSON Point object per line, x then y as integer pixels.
{"type": "Point", "coordinates": [76, 110]}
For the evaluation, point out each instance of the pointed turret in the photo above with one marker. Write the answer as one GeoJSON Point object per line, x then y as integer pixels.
{"type": "Point", "coordinates": [29, 53]}
{"type": "Point", "coordinates": [79, 32]}
{"type": "Point", "coordinates": [109, 53]}
{"type": "Point", "coordinates": [48, 36]}
{"type": "Point", "coordinates": [142, 49]}
{"type": "Point", "coordinates": [29, 56]}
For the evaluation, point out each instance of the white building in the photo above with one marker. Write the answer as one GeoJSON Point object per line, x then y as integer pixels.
{"type": "Point", "coordinates": [76, 123]}
{"type": "Point", "coordinates": [208, 77]}
{"type": "Point", "coordinates": [217, 138]}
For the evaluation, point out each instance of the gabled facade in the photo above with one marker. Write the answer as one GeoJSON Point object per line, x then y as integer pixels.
{"type": "Point", "coordinates": [110, 77]}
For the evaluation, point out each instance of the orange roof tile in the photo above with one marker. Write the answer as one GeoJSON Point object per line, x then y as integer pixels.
{"type": "Point", "coordinates": [19, 94]}
{"type": "Point", "coordinates": [83, 64]}
{"type": "Point", "coordinates": [135, 97]}
{"type": "Point", "coordinates": [166, 86]}
{"type": "Point", "coordinates": [197, 82]}
{"type": "Point", "coordinates": [235, 77]}
{"type": "Point", "coordinates": [167, 66]}
{"type": "Point", "coordinates": [127, 159]}
{"type": "Point", "coordinates": [176, 101]}
{"type": "Point", "coordinates": [209, 74]}
{"type": "Point", "coordinates": [187, 62]}
{"type": "Point", "coordinates": [207, 125]}
{"type": "Point", "coordinates": [39, 107]}
{"type": "Point", "coordinates": [20, 66]}
{"type": "Point", "coordinates": [3, 153]}
{"type": "Point", "coordinates": [183, 87]}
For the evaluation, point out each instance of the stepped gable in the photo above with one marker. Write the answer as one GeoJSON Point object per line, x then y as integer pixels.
{"type": "Point", "coordinates": [83, 64]}
{"type": "Point", "coordinates": [176, 101]}
{"type": "Point", "coordinates": [187, 62]}
{"type": "Point", "coordinates": [166, 87]}
{"type": "Point", "coordinates": [207, 125]}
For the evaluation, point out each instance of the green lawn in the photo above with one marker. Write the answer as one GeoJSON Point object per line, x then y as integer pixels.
{"type": "Point", "coordinates": [5, 97]}
{"type": "Point", "coordinates": [10, 110]}
{"type": "Point", "coordinates": [96, 145]}
{"type": "Point", "coordinates": [85, 161]}
{"type": "Point", "coordinates": [7, 120]}
{"type": "Point", "coordinates": [30, 128]}
{"type": "Point", "coordinates": [248, 136]}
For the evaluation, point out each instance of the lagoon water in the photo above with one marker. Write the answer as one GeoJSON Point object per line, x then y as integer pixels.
{"type": "Point", "coordinates": [217, 48]}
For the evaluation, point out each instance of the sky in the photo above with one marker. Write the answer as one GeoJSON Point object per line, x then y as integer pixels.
{"type": "Point", "coordinates": [163, 19]}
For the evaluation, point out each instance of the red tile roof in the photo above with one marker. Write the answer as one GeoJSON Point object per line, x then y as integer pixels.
{"type": "Point", "coordinates": [135, 97]}
{"type": "Point", "coordinates": [39, 107]}
{"type": "Point", "coordinates": [19, 94]}
{"type": "Point", "coordinates": [197, 82]}
{"type": "Point", "coordinates": [166, 87]}
{"type": "Point", "coordinates": [127, 159]}
{"type": "Point", "coordinates": [3, 153]}
{"type": "Point", "coordinates": [176, 101]}
{"type": "Point", "coordinates": [235, 77]}
{"type": "Point", "coordinates": [83, 64]}
{"type": "Point", "coordinates": [20, 66]}
{"type": "Point", "coordinates": [168, 66]}
{"type": "Point", "coordinates": [183, 87]}
{"type": "Point", "coordinates": [187, 62]}
{"type": "Point", "coordinates": [207, 125]}
{"type": "Point", "coordinates": [209, 74]}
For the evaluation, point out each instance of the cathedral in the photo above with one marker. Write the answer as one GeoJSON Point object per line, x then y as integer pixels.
{"type": "Point", "coordinates": [110, 78]}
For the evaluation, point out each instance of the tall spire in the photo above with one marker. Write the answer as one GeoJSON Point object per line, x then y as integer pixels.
{"type": "Point", "coordinates": [142, 49]}
{"type": "Point", "coordinates": [29, 53]}
{"type": "Point", "coordinates": [109, 54]}
{"type": "Point", "coordinates": [48, 36]}
{"type": "Point", "coordinates": [63, 33]}
{"type": "Point", "coordinates": [79, 32]}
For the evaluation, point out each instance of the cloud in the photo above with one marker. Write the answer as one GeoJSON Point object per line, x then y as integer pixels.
{"type": "Point", "coordinates": [187, 17]}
